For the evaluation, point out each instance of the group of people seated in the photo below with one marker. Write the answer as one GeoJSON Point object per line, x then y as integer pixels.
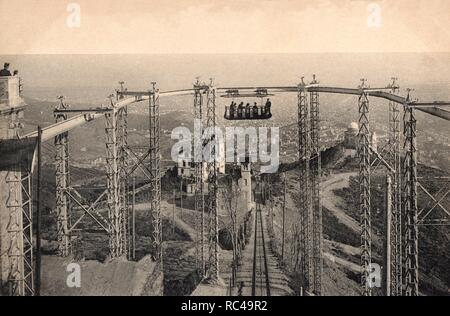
{"type": "Point", "coordinates": [248, 111]}
{"type": "Point", "coordinates": [6, 73]}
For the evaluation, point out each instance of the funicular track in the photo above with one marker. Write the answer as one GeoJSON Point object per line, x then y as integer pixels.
{"type": "Point", "coordinates": [260, 276]}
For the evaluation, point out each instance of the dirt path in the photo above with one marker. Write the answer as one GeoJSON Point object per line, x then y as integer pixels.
{"type": "Point", "coordinates": [334, 203]}
{"type": "Point", "coordinates": [167, 212]}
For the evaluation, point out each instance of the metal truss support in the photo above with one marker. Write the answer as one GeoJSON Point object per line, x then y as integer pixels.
{"type": "Point", "coordinates": [364, 190]}
{"type": "Point", "coordinates": [20, 230]}
{"type": "Point", "coordinates": [315, 173]}
{"type": "Point", "coordinates": [27, 224]}
{"type": "Point", "coordinates": [200, 255]}
{"type": "Point", "coordinates": [155, 174]}
{"type": "Point", "coordinates": [91, 210]}
{"type": "Point", "coordinates": [124, 180]}
{"type": "Point", "coordinates": [436, 202]}
{"type": "Point", "coordinates": [137, 161]}
{"type": "Point", "coordinates": [62, 208]}
{"type": "Point", "coordinates": [213, 261]}
{"type": "Point", "coordinates": [411, 237]}
{"type": "Point", "coordinates": [305, 253]}
{"type": "Point", "coordinates": [394, 160]}
{"type": "Point", "coordinates": [387, 275]}
{"type": "Point", "coordinates": [116, 165]}
{"type": "Point", "coordinates": [113, 184]}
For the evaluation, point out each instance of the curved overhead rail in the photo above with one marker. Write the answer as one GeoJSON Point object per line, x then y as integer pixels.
{"type": "Point", "coordinates": [88, 115]}
{"type": "Point", "coordinates": [49, 132]}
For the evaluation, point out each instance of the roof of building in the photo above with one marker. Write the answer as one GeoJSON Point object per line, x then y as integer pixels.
{"type": "Point", "coordinates": [353, 125]}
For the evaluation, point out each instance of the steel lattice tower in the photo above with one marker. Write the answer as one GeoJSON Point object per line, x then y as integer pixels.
{"type": "Point", "coordinates": [315, 172]}
{"type": "Point", "coordinates": [213, 268]}
{"type": "Point", "coordinates": [305, 252]}
{"type": "Point", "coordinates": [411, 238]}
{"type": "Point", "coordinates": [28, 285]}
{"type": "Point", "coordinates": [155, 173]}
{"type": "Point", "coordinates": [200, 255]}
{"type": "Point", "coordinates": [394, 159]}
{"type": "Point", "coordinates": [123, 176]}
{"type": "Point", "coordinates": [364, 190]}
{"type": "Point", "coordinates": [113, 183]}
{"type": "Point", "coordinates": [62, 207]}
{"type": "Point", "coordinates": [20, 229]}
{"type": "Point", "coordinates": [20, 251]}
{"type": "Point", "coordinates": [116, 186]}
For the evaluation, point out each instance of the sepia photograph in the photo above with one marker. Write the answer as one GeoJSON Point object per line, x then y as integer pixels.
{"type": "Point", "coordinates": [216, 154]}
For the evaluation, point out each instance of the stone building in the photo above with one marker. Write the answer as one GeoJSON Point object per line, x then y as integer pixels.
{"type": "Point", "coordinates": [186, 170]}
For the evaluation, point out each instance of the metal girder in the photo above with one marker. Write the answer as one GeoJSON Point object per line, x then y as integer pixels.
{"type": "Point", "coordinates": [113, 185]}
{"type": "Point", "coordinates": [27, 224]}
{"type": "Point", "coordinates": [20, 230]}
{"type": "Point", "coordinates": [315, 172]}
{"type": "Point", "coordinates": [27, 233]}
{"type": "Point", "coordinates": [213, 238]}
{"type": "Point", "coordinates": [437, 201]}
{"type": "Point", "coordinates": [51, 131]}
{"type": "Point", "coordinates": [66, 194]}
{"type": "Point", "coordinates": [441, 113]}
{"type": "Point", "coordinates": [91, 211]}
{"type": "Point", "coordinates": [387, 275]}
{"type": "Point", "coordinates": [117, 174]}
{"type": "Point", "coordinates": [418, 105]}
{"type": "Point", "coordinates": [147, 94]}
{"type": "Point", "coordinates": [411, 237]}
{"type": "Point", "coordinates": [84, 111]}
{"type": "Point", "coordinates": [138, 162]}
{"type": "Point", "coordinates": [155, 167]}
{"type": "Point", "coordinates": [394, 159]}
{"type": "Point", "coordinates": [305, 252]}
{"type": "Point", "coordinates": [364, 191]}
{"type": "Point", "coordinates": [62, 207]}
{"type": "Point", "coordinates": [123, 178]}
{"type": "Point", "coordinates": [199, 201]}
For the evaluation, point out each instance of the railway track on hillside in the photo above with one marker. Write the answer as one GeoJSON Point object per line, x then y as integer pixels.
{"type": "Point", "coordinates": [260, 276]}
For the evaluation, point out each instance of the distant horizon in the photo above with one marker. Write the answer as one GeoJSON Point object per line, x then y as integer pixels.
{"type": "Point", "coordinates": [174, 71]}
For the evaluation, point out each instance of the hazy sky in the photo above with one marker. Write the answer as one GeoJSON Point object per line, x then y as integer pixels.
{"type": "Point", "coordinates": [224, 26]}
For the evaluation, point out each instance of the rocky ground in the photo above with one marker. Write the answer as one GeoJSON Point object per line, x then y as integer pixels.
{"type": "Point", "coordinates": [117, 277]}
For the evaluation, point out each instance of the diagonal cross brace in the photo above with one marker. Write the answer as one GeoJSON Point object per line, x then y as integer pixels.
{"type": "Point", "coordinates": [89, 211]}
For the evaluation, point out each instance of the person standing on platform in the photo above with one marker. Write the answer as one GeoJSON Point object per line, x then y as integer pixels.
{"type": "Point", "coordinates": [5, 71]}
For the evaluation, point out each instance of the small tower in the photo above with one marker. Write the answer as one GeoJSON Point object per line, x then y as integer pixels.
{"type": "Point", "coordinates": [245, 184]}
{"type": "Point", "coordinates": [12, 265]}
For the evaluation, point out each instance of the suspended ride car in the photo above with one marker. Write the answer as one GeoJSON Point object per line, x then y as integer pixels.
{"type": "Point", "coordinates": [247, 111]}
